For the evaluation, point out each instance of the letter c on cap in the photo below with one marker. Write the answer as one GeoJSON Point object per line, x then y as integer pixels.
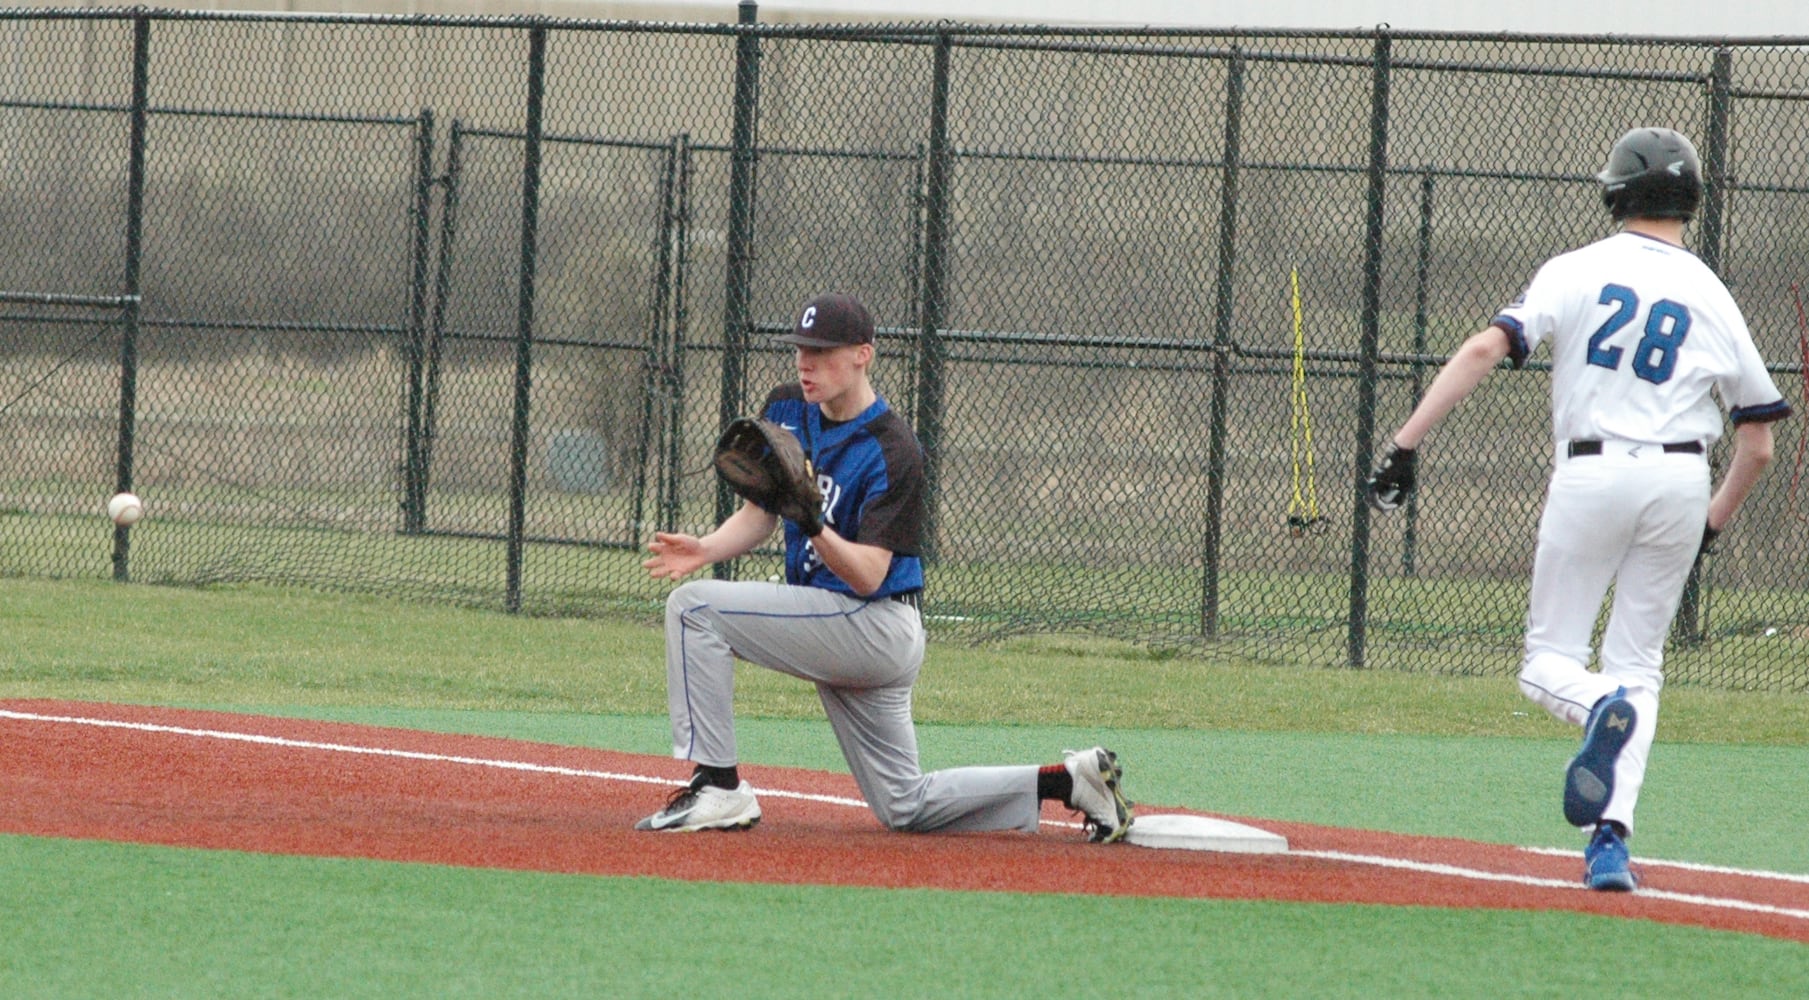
{"type": "Point", "coordinates": [809, 319]}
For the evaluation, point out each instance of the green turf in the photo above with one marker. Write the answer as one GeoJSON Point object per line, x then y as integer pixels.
{"type": "Point", "coordinates": [116, 920]}
{"type": "Point", "coordinates": [1451, 756]}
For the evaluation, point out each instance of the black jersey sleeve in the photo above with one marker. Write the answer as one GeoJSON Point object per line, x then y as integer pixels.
{"type": "Point", "coordinates": [893, 517]}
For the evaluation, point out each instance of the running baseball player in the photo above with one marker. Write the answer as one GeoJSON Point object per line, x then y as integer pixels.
{"type": "Point", "coordinates": [1641, 331]}
{"type": "Point", "coordinates": [846, 619]}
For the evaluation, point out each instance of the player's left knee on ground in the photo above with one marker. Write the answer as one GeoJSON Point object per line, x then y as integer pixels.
{"type": "Point", "coordinates": [895, 815]}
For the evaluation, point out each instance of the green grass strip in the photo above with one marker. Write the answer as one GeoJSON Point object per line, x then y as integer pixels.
{"type": "Point", "coordinates": [258, 645]}
{"type": "Point", "coordinates": [115, 920]}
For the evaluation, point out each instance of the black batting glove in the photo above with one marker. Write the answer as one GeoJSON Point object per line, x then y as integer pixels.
{"type": "Point", "coordinates": [1394, 477]}
{"type": "Point", "coordinates": [1708, 540]}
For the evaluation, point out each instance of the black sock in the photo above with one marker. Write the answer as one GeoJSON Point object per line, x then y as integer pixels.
{"type": "Point", "coordinates": [1054, 782]}
{"type": "Point", "coordinates": [721, 777]}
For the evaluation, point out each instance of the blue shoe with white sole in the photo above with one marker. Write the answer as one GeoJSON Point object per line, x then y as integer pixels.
{"type": "Point", "coordinates": [1589, 780]}
{"type": "Point", "coordinates": [1606, 866]}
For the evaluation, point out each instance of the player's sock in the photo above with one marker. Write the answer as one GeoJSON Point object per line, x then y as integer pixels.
{"type": "Point", "coordinates": [1054, 782]}
{"type": "Point", "coordinates": [722, 777]}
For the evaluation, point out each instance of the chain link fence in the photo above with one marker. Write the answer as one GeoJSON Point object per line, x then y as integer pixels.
{"type": "Point", "coordinates": [452, 309]}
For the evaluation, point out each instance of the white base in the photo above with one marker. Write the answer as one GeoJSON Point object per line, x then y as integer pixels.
{"type": "Point", "coordinates": [1201, 833]}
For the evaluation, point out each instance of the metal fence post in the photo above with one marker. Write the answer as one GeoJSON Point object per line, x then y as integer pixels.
{"type": "Point", "coordinates": [414, 471]}
{"type": "Point", "coordinates": [914, 270]}
{"type": "Point", "coordinates": [1371, 334]}
{"type": "Point", "coordinates": [1224, 303]}
{"type": "Point", "coordinates": [1714, 157]}
{"type": "Point", "coordinates": [524, 313]}
{"type": "Point", "coordinates": [737, 307]}
{"type": "Point", "coordinates": [675, 403]}
{"type": "Point", "coordinates": [128, 341]}
{"type": "Point", "coordinates": [1690, 624]}
{"type": "Point", "coordinates": [1422, 277]}
{"type": "Point", "coordinates": [442, 293]}
{"type": "Point", "coordinates": [932, 350]}
{"type": "Point", "coordinates": [656, 371]}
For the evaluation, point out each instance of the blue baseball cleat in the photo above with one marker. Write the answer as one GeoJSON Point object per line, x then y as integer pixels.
{"type": "Point", "coordinates": [1605, 861]}
{"type": "Point", "coordinates": [1589, 780]}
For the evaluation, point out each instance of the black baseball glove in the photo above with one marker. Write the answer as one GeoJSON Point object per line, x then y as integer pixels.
{"type": "Point", "coordinates": [1394, 477]}
{"type": "Point", "coordinates": [764, 463]}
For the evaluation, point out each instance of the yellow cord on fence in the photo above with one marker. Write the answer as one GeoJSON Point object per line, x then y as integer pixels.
{"type": "Point", "coordinates": [1303, 507]}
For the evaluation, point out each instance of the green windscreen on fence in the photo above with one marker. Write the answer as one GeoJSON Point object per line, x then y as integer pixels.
{"type": "Point", "coordinates": [452, 309]}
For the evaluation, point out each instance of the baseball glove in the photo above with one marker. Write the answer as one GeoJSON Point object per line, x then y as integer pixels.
{"type": "Point", "coordinates": [1393, 480]}
{"type": "Point", "coordinates": [764, 463]}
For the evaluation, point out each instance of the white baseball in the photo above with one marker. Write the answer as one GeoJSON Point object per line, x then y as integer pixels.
{"type": "Point", "coordinates": [125, 508]}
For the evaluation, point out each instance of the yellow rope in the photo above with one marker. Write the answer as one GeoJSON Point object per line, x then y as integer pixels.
{"type": "Point", "coordinates": [1303, 509]}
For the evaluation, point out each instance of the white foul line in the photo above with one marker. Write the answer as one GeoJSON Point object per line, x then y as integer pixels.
{"type": "Point", "coordinates": [283, 741]}
{"type": "Point", "coordinates": [1553, 883]}
{"type": "Point", "coordinates": [510, 765]}
{"type": "Point", "coordinates": [1690, 866]}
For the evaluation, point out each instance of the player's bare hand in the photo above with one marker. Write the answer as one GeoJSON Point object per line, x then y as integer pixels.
{"type": "Point", "coordinates": [675, 556]}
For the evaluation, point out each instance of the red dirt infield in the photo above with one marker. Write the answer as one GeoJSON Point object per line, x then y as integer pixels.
{"type": "Point", "coordinates": [285, 786]}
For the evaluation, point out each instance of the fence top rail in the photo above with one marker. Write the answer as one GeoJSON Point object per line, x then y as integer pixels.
{"type": "Point", "coordinates": [907, 32]}
{"type": "Point", "coordinates": [73, 301]}
{"type": "Point", "coordinates": [1234, 51]}
{"type": "Point", "coordinates": [618, 142]}
{"type": "Point", "coordinates": [182, 112]}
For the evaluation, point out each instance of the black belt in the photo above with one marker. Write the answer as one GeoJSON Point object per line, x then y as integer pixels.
{"type": "Point", "coordinates": [1578, 449]}
{"type": "Point", "coordinates": [912, 597]}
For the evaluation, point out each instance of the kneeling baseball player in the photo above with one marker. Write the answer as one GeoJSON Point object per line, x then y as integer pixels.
{"type": "Point", "coordinates": [847, 616]}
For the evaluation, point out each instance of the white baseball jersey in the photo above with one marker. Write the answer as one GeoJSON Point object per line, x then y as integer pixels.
{"type": "Point", "coordinates": [1640, 331]}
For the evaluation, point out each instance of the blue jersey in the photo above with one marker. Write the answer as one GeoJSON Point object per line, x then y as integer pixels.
{"type": "Point", "coordinates": [870, 470]}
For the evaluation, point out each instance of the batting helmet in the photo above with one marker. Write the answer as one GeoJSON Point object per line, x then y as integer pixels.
{"type": "Point", "coordinates": [1652, 173]}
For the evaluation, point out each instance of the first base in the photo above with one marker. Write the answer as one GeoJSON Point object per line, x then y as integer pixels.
{"type": "Point", "coordinates": [1201, 833]}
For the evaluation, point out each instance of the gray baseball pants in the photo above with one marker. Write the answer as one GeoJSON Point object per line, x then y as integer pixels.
{"type": "Point", "coordinates": [863, 656]}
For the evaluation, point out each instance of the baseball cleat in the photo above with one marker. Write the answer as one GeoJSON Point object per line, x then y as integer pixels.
{"type": "Point", "coordinates": [1605, 862]}
{"type": "Point", "coordinates": [1096, 793]}
{"type": "Point", "coordinates": [706, 808]}
{"type": "Point", "coordinates": [1589, 780]}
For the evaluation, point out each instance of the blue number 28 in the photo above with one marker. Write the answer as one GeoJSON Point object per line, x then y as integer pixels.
{"type": "Point", "coordinates": [1655, 356]}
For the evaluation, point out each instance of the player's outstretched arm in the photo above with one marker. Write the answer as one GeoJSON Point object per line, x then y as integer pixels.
{"type": "Point", "coordinates": [677, 555]}
{"type": "Point", "coordinates": [1460, 376]}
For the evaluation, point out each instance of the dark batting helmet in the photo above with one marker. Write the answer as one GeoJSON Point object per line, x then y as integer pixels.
{"type": "Point", "coordinates": [1652, 173]}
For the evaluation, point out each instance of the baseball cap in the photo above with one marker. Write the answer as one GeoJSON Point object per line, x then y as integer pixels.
{"type": "Point", "coordinates": [832, 320]}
